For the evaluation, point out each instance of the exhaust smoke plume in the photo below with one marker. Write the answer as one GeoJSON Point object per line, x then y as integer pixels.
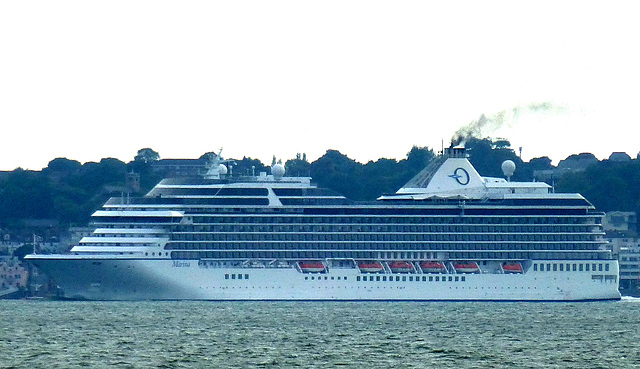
{"type": "Point", "coordinates": [486, 125]}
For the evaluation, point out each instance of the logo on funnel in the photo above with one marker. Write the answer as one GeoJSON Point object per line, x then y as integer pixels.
{"type": "Point", "coordinates": [461, 176]}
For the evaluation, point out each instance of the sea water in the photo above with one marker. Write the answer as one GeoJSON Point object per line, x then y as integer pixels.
{"type": "Point", "coordinates": [175, 334]}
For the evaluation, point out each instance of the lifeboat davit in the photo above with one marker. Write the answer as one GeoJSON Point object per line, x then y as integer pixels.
{"type": "Point", "coordinates": [311, 266]}
{"type": "Point", "coordinates": [400, 267]}
{"type": "Point", "coordinates": [471, 267]}
{"type": "Point", "coordinates": [370, 267]}
{"type": "Point", "coordinates": [432, 267]}
{"type": "Point", "coordinates": [512, 268]}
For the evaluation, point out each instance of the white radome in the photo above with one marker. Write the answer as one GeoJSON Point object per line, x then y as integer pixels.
{"type": "Point", "coordinates": [508, 168]}
{"type": "Point", "coordinates": [222, 169]}
{"type": "Point", "coordinates": [277, 170]}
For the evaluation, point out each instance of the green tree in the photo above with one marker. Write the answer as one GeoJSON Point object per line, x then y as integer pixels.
{"type": "Point", "coordinates": [147, 155]}
{"type": "Point", "coordinates": [63, 166]}
{"type": "Point", "coordinates": [248, 167]}
{"type": "Point", "coordinates": [297, 168]}
{"type": "Point", "coordinates": [543, 163]}
{"type": "Point", "coordinates": [380, 177]}
{"type": "Point", "coordinates": [25, 194]}
{"type": "Point", "coordinates": [418, 158]}
{"type": "Point", "coordinates": [336, 171]}
{"type": "Point", "coordinates": [487, 157]}
{"type": "Point", "coordinates": [608, 186]}
{"type": "Point", "coordinates": [22, 251]}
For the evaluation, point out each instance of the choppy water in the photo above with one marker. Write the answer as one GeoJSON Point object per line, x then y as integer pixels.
{"type": "Point", "coordinates": [319, 334]}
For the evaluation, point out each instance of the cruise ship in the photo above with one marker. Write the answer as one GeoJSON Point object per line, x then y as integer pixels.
{"type": "Point", "coordinates": [449, 234]}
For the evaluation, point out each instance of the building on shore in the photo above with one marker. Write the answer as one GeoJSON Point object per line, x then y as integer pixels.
{"type": "Point", "coordinates": [14, 277]}
{"type": "Point", "coordinates": [621, 232]}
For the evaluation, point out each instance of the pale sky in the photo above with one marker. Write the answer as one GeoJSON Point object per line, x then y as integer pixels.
{"type": "Point", "coordinates": [91, 79]}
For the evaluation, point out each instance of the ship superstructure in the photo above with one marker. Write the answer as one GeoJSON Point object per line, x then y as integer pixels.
{"type": "Point", "coordinates": [448, 234]}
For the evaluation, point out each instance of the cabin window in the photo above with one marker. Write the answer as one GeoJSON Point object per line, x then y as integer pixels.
{"type": "Point", "coordinates": [226, 276]}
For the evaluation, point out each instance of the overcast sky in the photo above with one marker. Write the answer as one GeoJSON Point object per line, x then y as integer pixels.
{"type": "Point", "coordinates": [86, 80]}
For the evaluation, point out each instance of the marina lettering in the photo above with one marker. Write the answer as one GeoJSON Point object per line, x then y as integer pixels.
{"type": "Point", "coordinates": [181, 264]}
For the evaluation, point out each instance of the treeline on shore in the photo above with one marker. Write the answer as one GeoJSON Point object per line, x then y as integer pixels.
{"type": "Point", "coordinates": [67, 192]}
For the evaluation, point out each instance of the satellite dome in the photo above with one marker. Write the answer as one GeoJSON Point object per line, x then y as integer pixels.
{"type": "Point", "coordinates": [222, 169]}
{"type": "Point", "coordinates": [277, 170]}
{"type": "Point", "coordinates": [508, 167]}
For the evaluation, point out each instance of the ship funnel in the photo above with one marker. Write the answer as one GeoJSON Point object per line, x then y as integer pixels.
{"type": "Point", "coordinates": [456, 152]}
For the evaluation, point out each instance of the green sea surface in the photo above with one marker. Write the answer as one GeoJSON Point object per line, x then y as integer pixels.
{"type": "Point", "coordinates": [460, 335]}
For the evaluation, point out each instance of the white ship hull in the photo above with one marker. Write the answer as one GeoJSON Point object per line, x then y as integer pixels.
{"type": "Point", "coordinates": [143, 279]}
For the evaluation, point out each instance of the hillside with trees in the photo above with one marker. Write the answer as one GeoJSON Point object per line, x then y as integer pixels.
{"type": "Point", "coordinates": [67, 192]}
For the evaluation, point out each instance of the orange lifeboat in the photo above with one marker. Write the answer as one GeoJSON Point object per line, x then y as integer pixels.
{"type": "Point", "coordinates": [370, 267]}
{"type": "Point", "coordinates": [400, 267]}
{"type": "Point", "coordinates": [311, 266]}
{"type": "Point", "coordinates": [512, 268]}
{"type": "Point", "coordinates": [471, 267]}
{"type": "Point", "coordinates": [432, 267]}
